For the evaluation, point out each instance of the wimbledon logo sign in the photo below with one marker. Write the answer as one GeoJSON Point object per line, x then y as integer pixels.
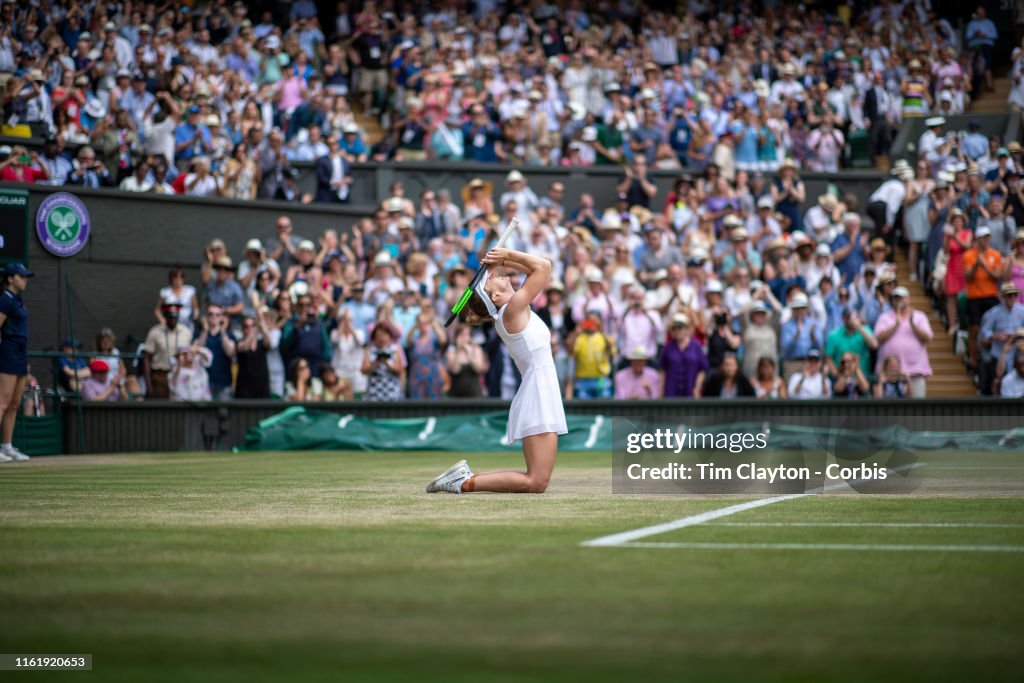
{"type": "Point", "coordinates": [62, 223]}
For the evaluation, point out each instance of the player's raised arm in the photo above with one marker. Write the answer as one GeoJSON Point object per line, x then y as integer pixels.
{"type": "Point", "coordinates": [536, 268]}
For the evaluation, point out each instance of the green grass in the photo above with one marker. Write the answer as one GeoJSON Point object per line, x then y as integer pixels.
{"type": "Point", "coordinates": [328, 567]}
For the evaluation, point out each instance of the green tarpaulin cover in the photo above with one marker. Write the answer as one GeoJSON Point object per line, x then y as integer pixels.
{"type": "Point", "coordinates": [299, 429]}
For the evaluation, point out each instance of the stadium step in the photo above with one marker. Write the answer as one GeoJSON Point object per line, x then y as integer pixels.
{"type": "Point", "coordinates": [949, 377]}
{"type": "Point", "coordinates": [994, 101]}
{"type": "Point", "coordinates": [370, 124]}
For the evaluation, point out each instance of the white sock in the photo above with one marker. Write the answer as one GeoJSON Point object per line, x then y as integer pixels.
{"type": "Point", "coordinates": [5, 446]}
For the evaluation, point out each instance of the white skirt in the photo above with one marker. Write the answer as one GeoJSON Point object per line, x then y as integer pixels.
{"type": "Point", "coordinates": [537, 406]}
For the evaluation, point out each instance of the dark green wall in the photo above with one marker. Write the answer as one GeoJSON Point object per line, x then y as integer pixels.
{"type": "Point", "coordinates": [134, 240]}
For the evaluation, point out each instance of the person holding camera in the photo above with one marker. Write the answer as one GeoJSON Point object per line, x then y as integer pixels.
{"type": "Point", "coordinates": [722, 340]}
{"type": "Point", "coordinates": [384, 365]}
{"type": "Point", "coordinates": [89, 172]}
{"type": "Point", "coordinates": [218, 339]}
{"type": "Point", "coordinates": [305, 335]}
{"type": "Point", "coordinates": [16, 168]}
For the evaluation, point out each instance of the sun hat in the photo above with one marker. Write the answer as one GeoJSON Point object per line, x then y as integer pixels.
{"type": "Point", "coordinates": [639, 353]}
{"type": "Point", "coordinates": [680, 320]}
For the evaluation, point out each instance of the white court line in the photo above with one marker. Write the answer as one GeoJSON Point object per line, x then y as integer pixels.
{"type": "Point", "coordinates": [881, 524]}
{"type": "Point", "coordinates": [693, 520]}
{"type": "Point", "coordinates": [833, 546]}
{"type": "Point", "coordinates": [629, 536]}
{"type": "Point", "coordinates": [594, 429]}
{"type": "Point", "coordinates": [428, 429]}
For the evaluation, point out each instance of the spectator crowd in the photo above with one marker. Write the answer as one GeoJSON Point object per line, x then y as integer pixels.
{"type": "Point", "coordinates": [222, 99]}
{"type": "Point", "coordinates": [735, 283]}
{"type": "Point", "coordinates": [714, 293]}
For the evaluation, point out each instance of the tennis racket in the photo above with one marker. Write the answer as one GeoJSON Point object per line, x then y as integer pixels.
{"type": "Point", "coordinates": [464, 299]}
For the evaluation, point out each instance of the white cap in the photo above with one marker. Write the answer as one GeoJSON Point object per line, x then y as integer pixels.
{"type": "Point", "coordinates": [823, 250]}
{"type": "Point", "coordinates": [589, 134]}
{"type": "Point", "coordinates": [611, 220]}
{"type": "Point", "coordinates": [713, 287]}
{"type": "Point", "coordinates": [799, 301]}
{"type": "Point", "coordinates": [514, 176]}
{"type": "Point", "coordinates": [254, 245]}
{"type": "Point", "coordinates": [382, 258]}
{"type": "Point", "coordinates": [307, 245]}
{"type": "Point", "coordinates": [350, 128]}
{"type": "Point", "coordinates": [935, 121]}
{"type": "Point", "coordinates": [594, 275]}
{"type": "Point", "coordinates": [982, 231]}
{"type": "Point", "coordinates": [765, 202]}
{"type": "Point", "coordinates": [95, 109]}
{"type": "Point", "coordinates": [901, 292]}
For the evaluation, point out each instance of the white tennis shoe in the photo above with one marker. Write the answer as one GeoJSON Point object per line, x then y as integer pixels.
{"type": "Point", "coordinates": [4, 458]}
{"type": "Point", "coordinates": [450, 481]}
{"type": "Point", "coordinates": [13, 453]}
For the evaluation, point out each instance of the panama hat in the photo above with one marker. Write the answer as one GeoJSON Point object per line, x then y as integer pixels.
{"type": "Point", "coordinates": [680, 320]}
{"type": "Point", "coordinates": [639, 353]}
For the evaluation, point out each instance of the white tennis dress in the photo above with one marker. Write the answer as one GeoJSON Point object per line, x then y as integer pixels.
{"type": "Point", "coordinates": [537, 405]}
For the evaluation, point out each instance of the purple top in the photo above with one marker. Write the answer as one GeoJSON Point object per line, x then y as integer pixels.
{"type": "Point", "coordinates": [681, 367]}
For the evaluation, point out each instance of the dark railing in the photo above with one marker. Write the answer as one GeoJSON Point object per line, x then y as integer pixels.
{"type": "Point", "coordinates": [177, 426]}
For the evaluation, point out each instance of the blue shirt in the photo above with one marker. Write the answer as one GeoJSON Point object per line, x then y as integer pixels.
{"type": "Point", "coordinates": [1000, 319]}
{"type": "Point", "coordinates": [363, 314]}
{"type": "Point", "coordinates": [224, 294]}
{"type": "Point", "coordinates": [220, 369]}
{"type": "Point", "coordinates": [680, 136]}
{"type": "Point", "coordinates": [355, 149]}
{"type": "Point", "coordinates": [746, 143]}
{"type": "Point", "coordinates": [480, 142]}
{"type": "Point", "coordinates": [975, 145]}
{"type": "Point", "coordinates": [981, 32]}
{"type": "Point", "coordinates": [184, 132]}
{"type": "Point", "coordinates": [796, 346]}
{"type": "Point", "coordinates": [854, 261]}
{"type": "Point", "coordinates": [15, 329]}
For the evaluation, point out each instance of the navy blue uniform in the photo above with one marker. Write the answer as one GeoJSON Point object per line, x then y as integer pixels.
{"type": "Point", "coordinates": [13, 335]}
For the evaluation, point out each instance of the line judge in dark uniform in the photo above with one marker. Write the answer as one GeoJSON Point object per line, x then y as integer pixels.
{"type": "Point", "coordinates": [13, 354]}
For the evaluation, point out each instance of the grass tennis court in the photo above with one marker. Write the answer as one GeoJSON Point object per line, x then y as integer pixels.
{"type": "Point", "coordinates": [328, 566]}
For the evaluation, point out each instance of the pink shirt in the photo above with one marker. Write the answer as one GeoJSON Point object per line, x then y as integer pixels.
{"type": "Point", "coordinates": [628, 385]}
{"type": "Point", "coordinates": [904, 343]}
{"type": "Point", "coordinates": [640, 329]}
{"type": "Point", "coordinates": [291, 92]}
